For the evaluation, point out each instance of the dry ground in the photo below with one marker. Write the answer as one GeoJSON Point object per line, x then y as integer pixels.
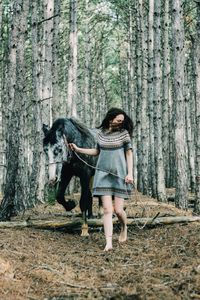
{"type": "Point", "coordinates": [161, 262]}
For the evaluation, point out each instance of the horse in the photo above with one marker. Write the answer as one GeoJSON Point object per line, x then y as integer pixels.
{"type": "Point", "coordinates": [63, 163]}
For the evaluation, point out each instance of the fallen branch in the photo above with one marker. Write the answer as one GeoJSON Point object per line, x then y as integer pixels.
{"type": "Point", "coordinates": [54, 224]}
{"type": "Point", "coordinates": [172, 198]}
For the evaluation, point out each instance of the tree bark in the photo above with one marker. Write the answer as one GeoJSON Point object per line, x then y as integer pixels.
{"type": "Point", "coordinates": [72, 71]}
{"type": "Point", "coordinates": [166, 91]}
{"type": "Point", "coordinates": [58, 105]}
{"type": "Point", "coordinates": [197, 100]}
{"type": "Point", "coordinates": [1, 104]}
{"type": "Point", "coordinates": [144, 146]}
{"type": "Point", "coordinates": [179, 105]}
{"type": "Point", "coordinates": [46, 99]}
{"type": "Point", "coordinates": [189, 133]}
{"type": "Point", "coordinates": [5, 91]}
{"type": "Point", "coordinates": [138, 71]}
{"type": "Point", "coordinates": [37, 173]}
{"type": "Point", "coordinates": [16, 185]}
{"type": "Point", "coordinates": [131, 66]}
{"type": "Point", "coordinates": [160, 172]}
{"type": "Point", "coordinates": [86, 102]}
{"type": "Point", "coordinates": [151, 165]}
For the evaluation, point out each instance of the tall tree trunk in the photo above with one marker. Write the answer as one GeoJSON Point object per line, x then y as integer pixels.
{"type": "Point", "coordinates": [47, 62]}
{"type": "Point", "coordinates": [192, 111]}
{"type": "Point", "coordinates": [143, 156]}
{"type": "Point", "coordinates": [160, 173]}
{"type": "Point", "coordinates": [179, 105]}
{"type": "Point", "coordinates": [1, 104]}
{"type": "Point", "coordinates": [86, 102]}
{"type": "Point", "coordinates": [4, 88]}
{"type": "Point", "coordinates": [7, 205]}
{"type": "Point", "coordinates": [16, 187]}
{"type": "Point", "coordinates": [72, 71]}
{"type": "Point", "coordinates": [131, 67]}
{"type": "Point", "coordinates": [37, 174]}
{"type": "Point", "coordinates": [197, 98]}
{"type": "Point", "coordinates": [189, 133]}
{"type": "Point", "coordinates": [151, 171]}
{"type": "Point", "coordinates": [166, 91]}
{"type": "Point", "coordinates": [139, 92]}
{"type": "Point", "coordinates": [58, 107]}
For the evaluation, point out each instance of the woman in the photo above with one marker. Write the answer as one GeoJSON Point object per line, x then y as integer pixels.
{"type": "Point", "coordinates": [114, 170]}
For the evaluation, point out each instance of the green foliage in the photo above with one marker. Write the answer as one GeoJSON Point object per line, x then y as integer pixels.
{"type": "Point", "coordinates": [51, 194]}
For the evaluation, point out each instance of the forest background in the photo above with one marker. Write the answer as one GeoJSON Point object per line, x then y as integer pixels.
{"type": "Point", "coordinates": [79, 58]}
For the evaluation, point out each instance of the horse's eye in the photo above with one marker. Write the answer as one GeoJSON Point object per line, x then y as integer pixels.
{"type": "Point", "coordinates": [55, 152]}
{"type": "Point", "coordinates": [59, 150]}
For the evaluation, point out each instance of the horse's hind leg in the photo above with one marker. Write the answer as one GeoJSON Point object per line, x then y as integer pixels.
{"type": "Point", "coordinates": [86, 196]}
{"type": "Point", "coordinates": [84, 227]}
{"type": "Point", "coordinates": [66, 176]}
{"type": "Point", "coordinates": [85, 203]}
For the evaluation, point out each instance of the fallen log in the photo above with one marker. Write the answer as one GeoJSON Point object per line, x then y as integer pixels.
{"type": "Point", "coordinates": [73, 223]}
{"type": "Point", "coordinates": [171, 198]}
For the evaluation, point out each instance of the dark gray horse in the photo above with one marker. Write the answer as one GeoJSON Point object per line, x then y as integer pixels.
{"type": "Point", "coordinates": [64, 163]}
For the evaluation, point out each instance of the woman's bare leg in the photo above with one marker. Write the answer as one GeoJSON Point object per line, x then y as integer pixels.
{"type": "Point", "coordinates": [119, 210]}
{"type": "Point", "coordinates": [107, 221]}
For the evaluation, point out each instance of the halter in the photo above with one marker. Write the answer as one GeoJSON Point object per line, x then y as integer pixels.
{"type": "Point", "coordinates": [69, 155]}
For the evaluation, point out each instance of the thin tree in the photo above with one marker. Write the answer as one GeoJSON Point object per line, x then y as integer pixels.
{"type": "Point", "coordinates": [72, 70]}
{"type": "Point", "coordinates": [151, 165]}
{"type": "Point", "coordinates": [37, 173]}
{"type": "Point", "coordinates": [16, 186]}
{"type": "Point", "coordinates": [143, 156]}
{"type": "Point", "coordinates": [46, 77]}
{"type": "Point", "coordinates": [160, 173]}
{"type": "Point", "coordinates": [138, 54]}
{"type": "Point", "coordinates": [166, 91]}
{"type": "Point", "coordinates": [197, 98]}
{"type": "Point", "coordinates": [1, 96]}
{"type": "Point", "coordinates": [58, 105]}
{"type": "Point", "coordinates": [179, 105]}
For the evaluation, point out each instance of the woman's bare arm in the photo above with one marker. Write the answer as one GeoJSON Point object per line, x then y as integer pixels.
{"type": "Point", "coordinates": [87, 151]}
{"type": "Point", "coordinates": [129, 160]}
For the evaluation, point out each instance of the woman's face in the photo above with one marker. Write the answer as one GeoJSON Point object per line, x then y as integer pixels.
{"type": "Point", "coordinates": [117, 121]}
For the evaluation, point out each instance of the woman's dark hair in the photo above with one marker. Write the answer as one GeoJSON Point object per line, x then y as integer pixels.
{"type": "Point", "coordinates": [111, 114]}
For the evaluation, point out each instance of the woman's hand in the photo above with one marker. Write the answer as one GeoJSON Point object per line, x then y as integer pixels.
{"type": "Point", "coordinates": [73, 147]}
{"type": "Point", "coordinates": [129, 178]}
{"type": "Point", "coordinates": [86, 151]}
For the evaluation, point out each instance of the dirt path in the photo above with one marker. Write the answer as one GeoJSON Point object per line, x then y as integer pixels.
{"type": "Point", "coordinates": [156, 263]}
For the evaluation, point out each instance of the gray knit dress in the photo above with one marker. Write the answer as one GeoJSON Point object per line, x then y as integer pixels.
{"type": "Point", "coordinates": [112, 147]}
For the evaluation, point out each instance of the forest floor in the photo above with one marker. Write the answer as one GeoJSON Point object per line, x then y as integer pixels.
{"type": "Point", "coordinates": [157, 262]}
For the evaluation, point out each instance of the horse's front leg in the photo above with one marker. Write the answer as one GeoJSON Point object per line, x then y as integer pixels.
{"type": "Point", "coordinates": [66, 176]}
{"type": "Point", "coordinates": [84, 227]}
{"type": "Point", "coordinates": [85, 203]}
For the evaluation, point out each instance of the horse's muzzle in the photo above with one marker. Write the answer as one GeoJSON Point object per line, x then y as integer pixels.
{"type": "Point", "coordinates": [53, 182]}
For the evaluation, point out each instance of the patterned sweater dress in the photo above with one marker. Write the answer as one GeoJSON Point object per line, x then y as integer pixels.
{"type": "Point", "coordinates": [112, 147]}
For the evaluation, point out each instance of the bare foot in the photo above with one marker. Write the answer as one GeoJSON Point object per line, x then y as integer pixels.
{"type": "Point", "coordinates": [108, 248]}
{"type": "Point", "coordinates": [123, 234]}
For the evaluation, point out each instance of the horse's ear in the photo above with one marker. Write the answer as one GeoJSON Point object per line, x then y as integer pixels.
{"type": "Point", "coordinates": [45, 129]}
{"type": "Point", "coordinates": [60, 131]}
{"type": "Point", "coordinates": [60, 128]}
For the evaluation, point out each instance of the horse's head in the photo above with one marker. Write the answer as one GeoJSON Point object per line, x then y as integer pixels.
{"type": "Point", "coordinates": [56, 150]}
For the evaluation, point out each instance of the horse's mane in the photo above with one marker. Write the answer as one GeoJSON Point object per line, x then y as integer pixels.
{"type": "Point", "coordinates": [81, 127]}
{"type": "Point", "coordinates": [60, 123]}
